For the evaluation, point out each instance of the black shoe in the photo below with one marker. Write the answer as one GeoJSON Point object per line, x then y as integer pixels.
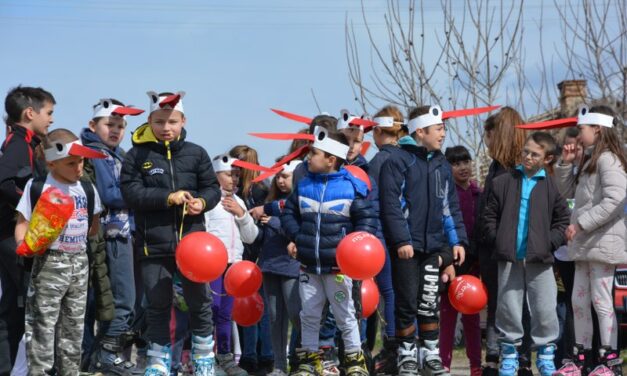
{"type": "Point", "coordinates": [524, 371]}
{"type": "Point", "coordinates": [265, 366]}
{"type": "Point", "coordinates": [490, 371]}
{"type": "Point", "coordinates": [612, 360]}
{"type": "Point", "coordinates": [249, 366]}
{"type": "Point", "coordinates": [385, 360]}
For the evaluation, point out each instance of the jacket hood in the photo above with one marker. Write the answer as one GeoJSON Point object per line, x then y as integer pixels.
{"type": "Point", "coordinates": [359, 185]}
{"type": "Point", "coordinates": [144, 135]}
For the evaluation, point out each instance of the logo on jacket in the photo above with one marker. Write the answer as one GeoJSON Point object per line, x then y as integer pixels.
{"type": "Point", "coordinates": [337, 207]}
{"type": "Point", "coordinates": [156, 171]}
{"type": "Point", "coordinates": [147, 165]}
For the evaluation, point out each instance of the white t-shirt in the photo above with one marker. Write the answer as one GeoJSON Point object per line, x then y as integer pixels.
{"type": "Point", "coordinates": [73, 238]}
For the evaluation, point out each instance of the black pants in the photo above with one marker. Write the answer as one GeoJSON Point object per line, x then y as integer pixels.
{"type": "Point", "coordinates": [11, 305]}
{"type": "Point", "coordinates": [157, 276]}
{"type": "Point", "coordinates": [416, 284]}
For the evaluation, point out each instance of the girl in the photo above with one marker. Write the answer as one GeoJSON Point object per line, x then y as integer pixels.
{"type": "Point", "coordinates": [280, 272]}
{"type": "Point", "coordinates": [597, 234]}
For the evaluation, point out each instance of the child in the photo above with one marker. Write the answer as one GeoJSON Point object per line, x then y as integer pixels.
{"type": "Point", "coordinates": [29, 114]}
{"type": "Point", "coordinates": [232, 224]}
{"type": "Point", "coordinates": [468, 193]}
{"type": "Point", "coordinates": [416, 196]}
{"type": "Point", "coordinates": [280, 273]}
{"type": "Point", "coordinates": [105, 133]}
{"type": "Point", "coordinates": [525, 218]}
{"type": "Point", "coordinates": [597, 234]}
{"type": "Point", "coordinates": [169, 182]}
{"type": "Point", "coordinates": [326, 205]}
{"type": "Point", "coordinates": [55, 306]}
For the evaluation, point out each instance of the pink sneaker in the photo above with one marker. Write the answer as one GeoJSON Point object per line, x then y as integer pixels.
{"type": "Point", "coordinates": [568, 369]}
{"type": "Point", "coordinates": [601, 371]}
{"type": "Point", "coordinates": [476, 371]}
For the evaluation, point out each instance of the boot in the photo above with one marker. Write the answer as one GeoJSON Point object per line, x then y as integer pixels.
{"type": "Point", "coordinates": [227, 363]}
{"type": "Point", "coordinates": [355, 364]}
{"type": "Point", "coordinates": [309, 363]}
{"type": "Point", "coordinates": [407, 359]}
{"type": "Point", "coordinates": [545, 361]}
{"type": "Point", "coordinates": [509, 360]}
{"type": "Point", "coordinates": [385, 360]}
{"type": "Point", "coordinates": [491, 366]}
{"type": "Point", "coordinates": [431, 361]}
{"type": "Point", "coordinates": [203, 357]}
{"type": "Point", "coordinates": [107, 358]}
{"type": "Point", "coordinates": [159, 360]}
{"type": "Point", "coordinates": [330, 361]}
{"type": "Point", "coordinates": [611, 359]}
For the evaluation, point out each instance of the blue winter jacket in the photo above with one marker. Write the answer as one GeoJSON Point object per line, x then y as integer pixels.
{"type": "Point", "coordinates": [321, 210]}
{"type": "Point", "coordinates": [417, 194]}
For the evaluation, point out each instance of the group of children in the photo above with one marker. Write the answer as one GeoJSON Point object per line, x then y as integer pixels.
{"type": "Point", "coordinates": [116, 254]}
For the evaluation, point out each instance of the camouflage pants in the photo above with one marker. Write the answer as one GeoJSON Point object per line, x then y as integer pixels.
{"type": "Point", "coordinates": [55, 312]}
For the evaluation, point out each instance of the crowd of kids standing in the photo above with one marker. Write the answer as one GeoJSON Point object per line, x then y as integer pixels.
{"type": "Point", "coordinates": [544, 231]}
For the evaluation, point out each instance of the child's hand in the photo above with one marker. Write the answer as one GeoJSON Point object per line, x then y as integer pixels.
{"type": "Point", "coordinates": [195, 206]}
{"type": "Point", "coordinates": [571, 231]}
{"type": "Point", "coordinates": [406, 252]}
{"type": "Point", "coordinates": [265, 219]}
{"type": "Point", "coordinates": [257, 212]}
{"type": "Point", "coordinates": [291, 249]}
{"type": "Point", "coordinates": [231, 206]}
{"type": "Point", "coordinates": [179, 198]}
{"type": "Point", "coordinates": [569, 153]}
{"type": "Point", "coordinates": [459, 254]}
{"type": "Point", "coordinates": [448, 274]}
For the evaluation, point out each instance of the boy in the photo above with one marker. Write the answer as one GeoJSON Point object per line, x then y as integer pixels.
{"type": "Point", "coordinates": [326, 205]}
{"type": "Point", "coordinates": [419, 208]}
{"type": "Point", "coordinates": [57, 293]}
{"type": "Point", "coordinates": [162, 175]}
{"type": "Point", "coordinates": [105, 133]}
{"type": "Point", "coordinates": [526, 217]}
{"type": "Point", "coordinates": [29, 114]}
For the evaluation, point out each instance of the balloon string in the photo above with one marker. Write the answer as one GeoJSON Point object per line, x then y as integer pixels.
{"type": "Point", "coordinates": [182, 221]}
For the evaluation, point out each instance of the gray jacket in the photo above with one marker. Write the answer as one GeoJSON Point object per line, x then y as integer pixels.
{"type": "Point", "coordinates": [600, 211]}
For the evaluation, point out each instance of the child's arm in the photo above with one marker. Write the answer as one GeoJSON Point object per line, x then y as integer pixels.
{"type": "Point", "coordinates": [20, 228]}
{"type": "Point", "coordinates": [107, 185]}
{"type": "Point", "coordinates": [135, 193]}
{"type": "Point", "coordinates": [395, 226]}
{"type": "Point", "coordinates": [458, 239]}
{"type": "Point", "coordinates": [363, 216]}
{"type": "Point", "coordinates": [15, 167]}
{"type": "Point", "coordinates": [95, 225]}
{"type": "Point", "coordinates": [559, 221]}
{"type": "Point", "coordinates": [290, 218]}
{"type": "Point", "coordinates": [208, 187]}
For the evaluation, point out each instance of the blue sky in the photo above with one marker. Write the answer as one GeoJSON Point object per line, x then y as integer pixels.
{"type": "Point", "coordinates": [235, 59]}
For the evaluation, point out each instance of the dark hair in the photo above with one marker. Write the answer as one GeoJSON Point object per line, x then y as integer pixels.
{"type": "Point", "coordinates": [326, 121]}
{"type": "Point", "coordinates": [571, 132]}
{"type": "Point", "coordinates": [456, 154]}
{"type": "Point", "coordinates": [548, 144]}
{"type": "Point", "coordinates": [113, 100]}
{"type": "Point", "coordinates": [298, 143]}
{"type": "Point", "coordinates": [608, 141]}
{"type": "Point", "coordinates": [59, 135]}
{"type": "Point", "coordinates": [22, 97]}
{"type": "Point", "coordinates": [339, 137]}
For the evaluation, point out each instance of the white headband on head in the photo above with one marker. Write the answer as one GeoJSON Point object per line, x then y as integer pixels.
{"type": "Point", "coordinates": [60, 150]}
{"type": "Point", "coordinates": [385, 121]}
{"type": "Point", "coordinates": [222, 162]}
{"type": "Point", "coordinates": [166, 102]}
{"type": "Point", "coordinates": [345, 120]}
{"type": "Point", "coordinates": [106, 107]}
{"type": "Point", "coordinates": [291, 165]}
{"type": "Point", "coordinates": [433, 117]}
{"type": "Point", "coordinates": [585, 117]}
{"type": "Point", "coordinates": [323, 142]}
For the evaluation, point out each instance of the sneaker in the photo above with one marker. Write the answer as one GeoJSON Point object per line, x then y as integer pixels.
{"type": "Point", "coordinates": [568, 369]}
{"type": "Point", "coordinates": [431, 361]}
{"type": "Point", "coordinates": [355, 364]}
{"type": "Point", "coordinates": [545, 361]}
{"type": "Point", "coordinates": [476, 371]}
{"type": "Point", "coordinates": [107, 358]}
{"type": "Point", "coordinates": [490, 369]}
{"type": "Point", "coordinates": [407, 359]}
{"type": "Point", "coordinates": [330, 361]}
{"type": "Point", "coordinates": [227, 362]}
{"type": "Point", "coordinates": [612, 360]}
{"type": "Point", "coordinates": [203, 357]}
{"type": "Point", "coordinates": [601, 370]}
{"type": "Point", "coordinates": [248, 365]}
{"type": "Point", "coordinates": [524, 371]}
{"type": "Point", "coordinates": [159, 360]}
{"type": "Point", "coordinates": [309, 363]}
{"type": "Point", "coordinates": [509, 360]}
{"type": "Point", "coordinates": [277, 372]}
{"type": "Point", "coordinates": [385, 360]}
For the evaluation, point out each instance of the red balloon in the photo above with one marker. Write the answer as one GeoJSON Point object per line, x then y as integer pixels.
{"type": "Point", "coordinates": [201, 257]}
{"type": "Point", "coordinates": [468, 294]}
{"type": "Point", "coordinates": [247, 311]}
{"type": "Point", "coordinates": [359, 174]}
{"type": "Point", "coordinates": [369, 298]}
{"type": "Point", "coordinates": [242, 279]}
{"type": "Point", "coordinates": [360, 255]}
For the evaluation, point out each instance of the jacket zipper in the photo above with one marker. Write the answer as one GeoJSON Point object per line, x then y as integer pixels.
{"type": "Point", "coordinates": [169, 156]}
{"type": "Point", "coordinates": [318, 263]}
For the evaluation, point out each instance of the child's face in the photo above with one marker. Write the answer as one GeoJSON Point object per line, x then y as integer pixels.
{"type": "Point", "coordinates": [166, 124]}
{"type": "Point", "coordinates": [319, 163]}
{"type": "Point", "coordinates": [225, 178]}
{"type": "Point", "coordinates": [355, 137]}
{"type": "Point", "coordinates": [67, 170]}
{"type": "Point", "coordinates": [284, 182]}
{"type": "Point", "coordinates": [40, 120]}
{"type": "Point", "coordinates": [462, 171]}
{"type": "Point", "coordinates": [432, 137]}
{"type": "Point", "coordinates": [534, 158]}
{"type": "Point", "coordinates": [588, 134]}
{"type": "Point", "coordinates": [110, 130]}
{"type": "Point", "coordinates": [235, 174]}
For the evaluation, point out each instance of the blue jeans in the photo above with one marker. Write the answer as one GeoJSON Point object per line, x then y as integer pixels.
{"type": "Point", "coordinates": [122, 279]}
{"type": "Point", "coordinates": [261, 332]}
{"type": "Point", "coordinates": [386, 289]}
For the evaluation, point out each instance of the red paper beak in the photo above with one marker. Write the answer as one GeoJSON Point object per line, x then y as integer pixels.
{"type": "Point", "coordinates": [266, 175]}
{"type": "Point", "coordinates": [550, 124]}
{"type": "Point", "coordinates": [365, 123]}
{"type": "Point", "coordinates": [290, 157]}
{"type": "Point", "coordinates": [467, 112]}
{"type": "Point", "coordinates": [250, 166]}
{"type": "Point", "coordinates": [298, 118]}
{"type": "Point", "coordinates": [123, 111]}
{"type": "Point", "coordinates": [171, 100]}
{"type": "Point", "coordinates": [365, 147]}
{"type": "Point", "coordinates": [284, 136]}
{"type": "Point", "coordinates": [85, 152]}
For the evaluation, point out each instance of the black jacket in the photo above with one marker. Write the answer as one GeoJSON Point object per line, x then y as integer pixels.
{"type": "Point", "coordinates": [17, 165]}
{"type": "Point", "coordinates": [484, 245]}
{"type": "Point", "coordinates": [548, 218]}
{"type": "Point", "coordinates": [415, 195]}
{"type": "Point", "coordinates": [151, 171]}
